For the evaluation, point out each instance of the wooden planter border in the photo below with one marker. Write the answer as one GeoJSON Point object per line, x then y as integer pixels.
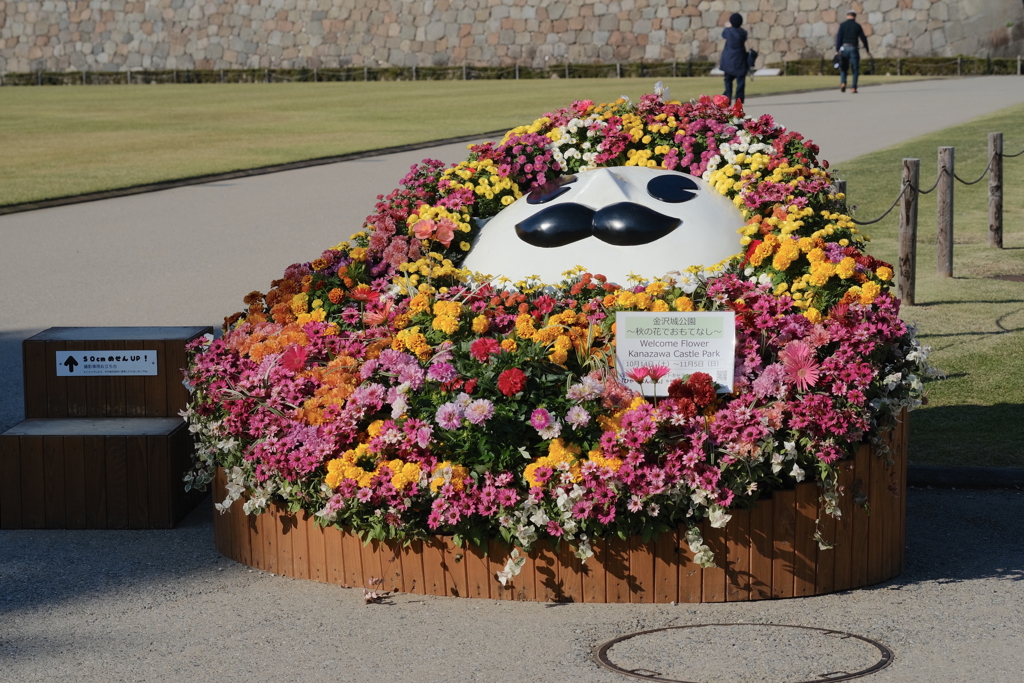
{"type": "Point", "coordinates": [766, 552]}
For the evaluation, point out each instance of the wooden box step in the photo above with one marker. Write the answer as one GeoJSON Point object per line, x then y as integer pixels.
{"type": "Point", "coordinates": [61, 385]}
{"type": "Point", "coordinates": [103, 473]}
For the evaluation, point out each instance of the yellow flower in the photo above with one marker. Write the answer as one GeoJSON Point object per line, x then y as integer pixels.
{"type": "Point", "coordinates": [868, 292]}
{"type": "Point", "coordinates": [509, 345]}
{"type": "Point", "coordinates": [481, 324]}
{"type": "Point", "coordinates": [846, 268]}
{"type": "Point", "coordinates": [684, 304]}
{"type": "Point", "coordinates": [884, 273]}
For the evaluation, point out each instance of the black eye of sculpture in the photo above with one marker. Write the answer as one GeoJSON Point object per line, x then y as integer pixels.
{"type": "Point", "coordinates": [673, 189]}
{"type": "Point", "coordinates": [626, 224]}
{"type": "Point", "coordinates": [554, 188]}
{"type": "Point", "coordinates": [556, 226]}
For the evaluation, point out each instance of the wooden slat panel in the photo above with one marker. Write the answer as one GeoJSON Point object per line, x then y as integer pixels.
{"type": "Point", "coordinates": [737, 534]}
{"type": "Point", "coordinates": [300, 546]}
{"type": "Point", "coordinates": [843, 572]}
{"type": "Point", "coordinates": [546, 573]}
{"type": "Point", "coordinates": [762, 549]}
{"type": "Point", "coordinates": [497, 555]}
{"type": "Point", "coordinates": [77, 387]}
{"type": "Point", "coordinates": [268, 537]}
{"type": "Point", "coordinates": [95, 388]}
{"type": "Point", "coordinates": [317, 552]}
{"type": "Point", "coordinates": [806, 555]}
{"type": "Point", "coordinates": [135, 386]}
{"type": "Point", "coordinates": [115, 389]}
{"type": "Point", "coordinates": [56, 387]}
{"type": "Point", "coordinates": [877, 503]}
{"type": "Point", "coordinates": [433, 567]}
{"type": "Point", "coordinates": [353, 556]}
{"type": "Point", "coordinates": [177, 394]}
{"type": "Point", "coordinates": [33, 361]}
{"type": "Point", "coordinates": [255, 542]}
{"type": "Point", "coordinates": [904, 443]}
{"type": "Point", "coordinates": [456, 582]}
{"type": "Point", "coordinates": [334, 555]}
{"type": "Point", "coordinates": [370, 556]}
{"type": "Point", "coordinates": [890, 490]}
{"type": "Point", "coordinates": [784, 528]}
{"type": "Point", "coordinates": [74, 482]}
{"type": "Point", "coordinates": [283, 523]}
{"type": "Point", "coordinates": [161, 481]}
{"type": "Point", "coordinates": [33, 498]}
{"type": "Point", "coordinates": [824, 579]}
{"type": "Point", "coordinates": [859, 539]}
{"type": "Point", "coordinates": [666, 568]}
{"type": "Point", "coordinates": [570, 575]}
{"type": "Point", "coordinates": [179, 458]}
{"type": "Point", "coordinates": [138, 483]}
{"type": "Point", "coordinates": [53, 473]}
{"type": "Point", "coordinates": [478, 579]}
{"type": "Point", "coordinates": [595, 579]}
{"type": "Point", "coordinates": [95, 482]}
{"type": "Point", "coordinates": [641, 570]}
{"type": "Point", "coordinates": [713, 585]}
{"type": "Point", "coordinates": [691, 576]}
{"type": "Point", "coordinates": [412, 568]}
{"type": "Point", "coordinates": [156, 385]}
{"type": "Point", "coordinates": [10, 482]}
{"type": "Point", "coordinates": [391, 566]}
{"type": "Point", "coordinates": [617, 569]}
{"type": "Point", "coordinates": [524, 585]}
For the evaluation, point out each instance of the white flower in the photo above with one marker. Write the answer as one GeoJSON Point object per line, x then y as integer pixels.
{"type": "Point", "coordinates": [512, 567]}
{"type": "Point", "coordinates": [718, 517]}
{"type": "Point", "coordinates": [797, 472]}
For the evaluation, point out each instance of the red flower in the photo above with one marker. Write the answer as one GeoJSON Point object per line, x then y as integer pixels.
{"type": "Point", "coordinates": [482, 348]}
{"type": "Point", "coordinates": [511, 381]}
{"type": "Point", "coordinates": [470, 386]}
{"type": "Point", "coordinates": [702, 389]}
{"type": "Point", "coordinates": [294, 358]}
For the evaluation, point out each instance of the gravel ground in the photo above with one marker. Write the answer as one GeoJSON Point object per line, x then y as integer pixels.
{"type": "Point", "coordinates": [164, 606]}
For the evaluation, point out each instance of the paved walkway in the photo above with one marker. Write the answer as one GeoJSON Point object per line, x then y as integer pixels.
{"type": "Point", "coordinates": [100, 606]}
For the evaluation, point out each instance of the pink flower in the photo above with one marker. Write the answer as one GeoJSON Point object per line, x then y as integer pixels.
{"type": "Point", "coordinates": [656, 372]}
{"type": "Point", "coordinates": [424, 229]}
{"type": "Point", "coordinates": [482, 348]}
{"type": "Point", "coordinates": [540, 419]}
{"type": "Point", "coordinates": [294, 358]}
{"type": "Point", "coordinates": [479, 411]}
{"type": "Point", "coordinates": [638, 375]}
{"type": "Point", "coordinates": [800, 365]}
{"type": "Point", "coordinates": [445, 232]}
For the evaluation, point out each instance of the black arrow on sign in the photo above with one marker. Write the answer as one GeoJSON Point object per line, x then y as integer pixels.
{"type": "Point", "coordinates": [70, 363]}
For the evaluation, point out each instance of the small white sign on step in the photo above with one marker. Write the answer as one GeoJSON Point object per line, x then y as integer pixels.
{"type": "Point", "coordinates": [108, 363]}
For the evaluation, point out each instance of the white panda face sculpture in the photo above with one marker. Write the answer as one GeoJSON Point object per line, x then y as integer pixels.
{"type": "Point", "coordinates": [612, 221]}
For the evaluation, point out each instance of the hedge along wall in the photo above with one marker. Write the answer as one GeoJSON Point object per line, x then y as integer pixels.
{"type": "Point", "coordinates": [117, 35]}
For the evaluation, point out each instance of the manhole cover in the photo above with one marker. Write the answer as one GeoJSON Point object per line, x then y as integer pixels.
{"type": "Point", "coordinates": [737, 653]}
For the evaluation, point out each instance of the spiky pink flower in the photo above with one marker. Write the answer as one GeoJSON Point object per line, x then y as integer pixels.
{"type": "Point", "coordinates": [800, 364]}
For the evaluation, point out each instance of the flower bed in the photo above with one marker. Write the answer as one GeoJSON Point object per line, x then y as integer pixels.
{"type": "Point", "coordinates": [382, 389]}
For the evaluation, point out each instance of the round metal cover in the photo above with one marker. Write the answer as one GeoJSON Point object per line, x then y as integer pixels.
{"type": "Point", "coordinates": [737, 653]}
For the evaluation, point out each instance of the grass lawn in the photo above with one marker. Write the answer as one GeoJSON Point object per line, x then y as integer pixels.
{"type": "Point", "coordinates": [974, 323]}
{"type": "Point", "coordinates": [61, 141]}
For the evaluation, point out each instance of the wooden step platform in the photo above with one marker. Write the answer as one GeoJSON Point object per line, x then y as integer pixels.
{"type": "Point", "coordinates": [50, 395]}
{"type": "Point", "coordinates": [104, 473]}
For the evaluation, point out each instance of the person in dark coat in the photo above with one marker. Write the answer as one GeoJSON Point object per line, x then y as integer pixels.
{"type": "Point", "coordinates": [734, 58]}
{"type": "Point", "coordinates": [846, 47]}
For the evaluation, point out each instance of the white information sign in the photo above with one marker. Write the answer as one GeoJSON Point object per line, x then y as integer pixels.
{"type": "Point", "coordinates": [685, 343]}
{"type": "Point", "coordinates": [106, 363]}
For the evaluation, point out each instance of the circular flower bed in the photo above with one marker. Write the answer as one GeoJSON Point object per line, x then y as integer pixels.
{"type": "Point", "coordinates": [382, 388]}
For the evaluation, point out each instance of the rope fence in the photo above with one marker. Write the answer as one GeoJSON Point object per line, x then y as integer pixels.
{"type": "Point", "coordinates": [907, 200]}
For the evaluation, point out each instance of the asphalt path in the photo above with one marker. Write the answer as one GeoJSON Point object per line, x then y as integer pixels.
{"type": "Point", "coordinates": [163, 605]}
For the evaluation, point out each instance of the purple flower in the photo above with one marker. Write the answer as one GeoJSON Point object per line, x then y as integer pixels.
{"type": "Point", "coordinates": [442, 372]}
{"type": "Point", "coordinates": [577, 417]}
{"type": "Point", "coordinates": [479, 411]}
{"type": "Point", "coordinates": [449, 416]}
{"type": "Point", "coordinates": [412, 374]}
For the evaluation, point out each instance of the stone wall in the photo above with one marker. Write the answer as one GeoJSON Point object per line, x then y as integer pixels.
{"type": "Point", "coordinates": [111, 35]}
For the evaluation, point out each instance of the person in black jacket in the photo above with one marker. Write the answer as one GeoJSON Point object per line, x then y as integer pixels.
{"type": "Point", "coordinates": [734, 58]}
{"type": "Point", "coordinates": [846, 47]}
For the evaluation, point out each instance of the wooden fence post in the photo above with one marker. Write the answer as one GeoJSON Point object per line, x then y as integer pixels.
{"type": "Point", "coordinates": [907, 264]}
{"type": "Point", "coordinates": [618, 70]}
{"type": "Point", "coordinates": [517, 72]}
{"type": "Point", "coordinates": [945, 212]}
{"type": "Point", "coordinates": [464, 72]}
{"type": "Point", "coordinates": [995, 190]}
{"type": "Point", "coordinates": [366, 73]}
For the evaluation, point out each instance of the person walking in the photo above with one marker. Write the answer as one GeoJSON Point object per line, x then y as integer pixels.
{"type": "Point", "coordinates": [734, 58]}
{"type": "Point", "coordinates": [846, 47]}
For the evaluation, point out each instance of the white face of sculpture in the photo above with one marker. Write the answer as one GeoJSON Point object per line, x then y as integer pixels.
{"type": "Point", "coordinates": [612, 221]}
